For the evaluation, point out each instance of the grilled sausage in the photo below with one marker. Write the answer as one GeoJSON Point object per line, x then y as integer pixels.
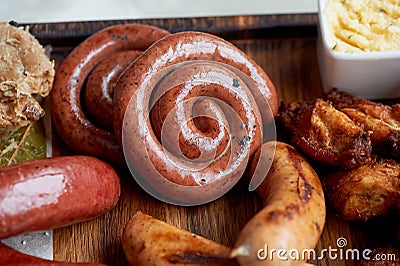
{"type": "Point", "coordinates": [70, 121]}
{"type": "Point", "coordinates": [176, 103]}
{"type": "Point", "coordinates": [294, 211]}
{"type": "Point", "coordinates": [54, 192]}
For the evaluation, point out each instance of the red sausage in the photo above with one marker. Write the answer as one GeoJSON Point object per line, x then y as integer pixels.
{"type": "Point", "coordinates": [191, 132]}
{"type": "Point", "coordinates": [100, 87]}
{"type": "Point", "coordinates": [11, 257]}
{"type": "Point", "coordinates": [170, 50]}
{"type": "Point", "coordinates": [69, 120]}
{"type": "Point", "coordinates": [54, 192]}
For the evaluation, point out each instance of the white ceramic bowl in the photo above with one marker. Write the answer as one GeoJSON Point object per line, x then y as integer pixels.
{"type": "Point", "coordinates": [373, 75]}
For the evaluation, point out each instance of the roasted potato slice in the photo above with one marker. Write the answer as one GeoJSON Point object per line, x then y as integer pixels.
{"type": "Point", "coordinates": [148, 241]}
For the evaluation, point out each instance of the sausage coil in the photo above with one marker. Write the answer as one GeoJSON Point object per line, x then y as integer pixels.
{"type": "Point", "coordinates": [189, 113]}
{"type": "Point", "coordinates": [99, 89]}
{"type": "Point", "coordinates": [70, 121]}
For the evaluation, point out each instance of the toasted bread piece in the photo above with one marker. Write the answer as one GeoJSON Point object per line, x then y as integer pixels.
{"type": "Point", "coordinates": [26, 75]}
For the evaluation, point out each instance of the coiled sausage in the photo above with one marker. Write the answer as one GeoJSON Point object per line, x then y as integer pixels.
{"type": "Point", "coordinates": [99, 89]}
{"type": "Point", "coordinates": [189, 113]}
{"type": "Point", "coordinates": [70, 121]}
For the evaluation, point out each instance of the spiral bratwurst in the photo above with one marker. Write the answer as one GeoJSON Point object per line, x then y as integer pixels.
{"type": "Point", "coordinates": [203, 93]}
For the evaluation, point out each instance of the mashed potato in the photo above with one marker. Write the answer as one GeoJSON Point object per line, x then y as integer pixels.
{"type": "Point", "coordinates": [363, 25]}
{"type": "Point", "coordinates": [26, 74]}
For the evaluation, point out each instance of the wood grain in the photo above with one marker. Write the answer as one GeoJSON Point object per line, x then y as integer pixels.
{"type": "Point", "coordinates": [285, 47]}
{"type": "Point", "coordinates": [228, 27]}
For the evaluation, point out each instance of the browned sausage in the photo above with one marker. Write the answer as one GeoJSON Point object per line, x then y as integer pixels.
{"type": "Point", "coordinates": [11, 257]}
{"type": "Point", "coordinates": [54, 192]}
{"type": "Point", "coordinates": [208, 83]}
{"type": "Point", "coordinates": [100, 87]}
{"type": "Point", "coordinates": [294, 211]}
{"type": "Point", "coordinates": [69, 120]}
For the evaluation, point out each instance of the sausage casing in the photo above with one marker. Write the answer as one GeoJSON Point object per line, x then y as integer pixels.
{"type": "Point", "coordinates": [70, 121]}
{"type": "Point", "coordinates": [213, 103]}
{"type": "Point", "coordinates": [100, 87]}
{"type": "Point", "coordinates": [54, 192]}
{"type": "Point", "coordinates": [294, 210]}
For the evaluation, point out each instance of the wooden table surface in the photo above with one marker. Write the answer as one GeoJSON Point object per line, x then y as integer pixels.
{"type": "Point", "coordinates": [285, 46]}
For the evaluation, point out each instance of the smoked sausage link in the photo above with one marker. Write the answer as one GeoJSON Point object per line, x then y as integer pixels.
{"type": "Point", "coordinates": [54, 192]}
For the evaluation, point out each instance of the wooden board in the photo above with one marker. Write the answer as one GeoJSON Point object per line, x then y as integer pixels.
{"type": "Point", "coordinates": [285, 46]}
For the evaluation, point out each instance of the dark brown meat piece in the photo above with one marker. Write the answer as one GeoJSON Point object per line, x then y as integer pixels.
{"type": "Point", "coordinates": [365, 192]}
{"type": "Point", "coordinates": [383, 121]}
{"type": "Point", "coordinates": [326, 134]}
